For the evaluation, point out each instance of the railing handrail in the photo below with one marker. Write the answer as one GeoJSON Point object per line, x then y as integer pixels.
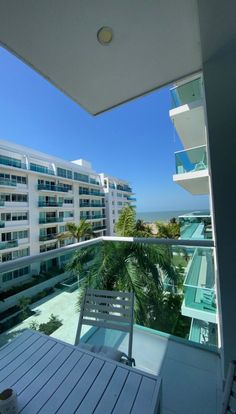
{"type": "Point", "coordinates": [27, 260]}
{"type": "Point", "coordinates": [190, 149]}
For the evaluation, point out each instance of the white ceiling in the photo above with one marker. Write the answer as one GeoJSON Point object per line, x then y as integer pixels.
{"type": "Point", "coordinates": [155, 42]}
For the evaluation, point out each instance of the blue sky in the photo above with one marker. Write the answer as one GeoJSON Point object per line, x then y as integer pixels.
{"type": "Point", "coordinates": [135, 141]}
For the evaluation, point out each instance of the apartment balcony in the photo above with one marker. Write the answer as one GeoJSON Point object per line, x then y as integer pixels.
{"type": "Point", "coordinates": [195, 226]}
{"type": "Point", "coordinates": [45, 220]}
{"type": "Point", "coordinates": [186, 368]}
{"type": "Point", "coordinates": [187, 113]}
{"type": "Point", "coordinates": [12, 162]}
{"type": "Point", "coordinates": [8, 244]}
{"type": "Point", "coordinates": [199, 287]}
{"type": "Point", "coordinates": [125, 188]}
{"type": "Point", "coordinates": [41, 169]}
{"type": "Point", "coordinates": [91, 193]}
{"type": "Point", "coordinates": [56, 188]}
{"type": "Point", "coordinates": [2, 224]}
{"type": "Point", "coordinates": [2, 203]}
{"type": "Point", "coordinates": [50, 203]}
{"type": "Point", "coordinates": [98, 228]}
{"type": "Point", "coordinates": [94, 181]}
{"type": "Point", "coordinates": [91, 205]}
{"type": "Point", "coordinates": [192, 170]}
{"type": "Point", "coordinates": [47, 237]}
{"type": "Point", "coordinates": [92, 217]}
{"type": "Point", "coordinates": [131, 198]}
{"type": "Point", "coordinates": [6, 182]}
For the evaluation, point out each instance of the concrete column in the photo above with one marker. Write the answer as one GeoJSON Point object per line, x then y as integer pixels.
{"type": "Point", "coordinates": [217, 21]}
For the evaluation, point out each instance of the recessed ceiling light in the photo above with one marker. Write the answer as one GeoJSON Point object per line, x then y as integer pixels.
{"type": "Point", "coordinates": [105, 35]}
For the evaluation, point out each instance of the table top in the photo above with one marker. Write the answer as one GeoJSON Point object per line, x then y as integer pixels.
{"type": "Point", "coordinates": [51, 376]}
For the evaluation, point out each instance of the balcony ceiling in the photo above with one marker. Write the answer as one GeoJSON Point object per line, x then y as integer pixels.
{"type": "Point", "coordinates": [189, 122]}
{"type": "Point", "coordinates": [196, 183]}
{"type": "Point", "coordinates": [154, 43]}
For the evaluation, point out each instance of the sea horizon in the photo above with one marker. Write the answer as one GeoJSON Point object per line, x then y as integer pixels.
{"type": "Point", "coordinates": [165, 215]}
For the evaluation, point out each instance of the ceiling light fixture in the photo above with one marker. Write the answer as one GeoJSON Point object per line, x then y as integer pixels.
{"type": "Point", "coordinates": [105, 35]}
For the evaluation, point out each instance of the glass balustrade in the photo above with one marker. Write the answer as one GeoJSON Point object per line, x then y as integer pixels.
{"type": "Point", "coordinates": [191, 160]}
{"type": "Point", "coordinates": [165, 277]}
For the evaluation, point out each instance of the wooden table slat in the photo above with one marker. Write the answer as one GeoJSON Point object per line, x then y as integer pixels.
{"type": "Point", "coordinates": [54, 382]}
{"type": "Point", "coordinates": [97, 389]}
{"type": "Point", "coordinates": [52, 377]}
{"type": "Point", "coordinates": [35, 386]}
{"type": "Point", "coordinates": [70, 405]}
{"type": "Point", "coordinates": [144, 396]}
{"type": "Point", "coordinates": [28, 364]}
{"type": "Point", "coordinates": [128, 394]}
{"type": "Point", "coordinates": [7, 348]}
{"type": "Point", "coordinates": [67, 386]}
{"type": "Point", "coordinates": [111, 394]}
{"type": "Point", "coordinates": [26, 378]}
{"type": "Point", "coordinates": [18, 351]}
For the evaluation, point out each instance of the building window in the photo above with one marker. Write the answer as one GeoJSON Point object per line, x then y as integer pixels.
{"type": "Point", "coordinates": [81, 177]}
{"type": "Point", "coordinates": [61, 172]}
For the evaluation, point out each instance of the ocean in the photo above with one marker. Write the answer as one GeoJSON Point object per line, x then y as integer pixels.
{"type": "Point", "coordinates": [151, 216]}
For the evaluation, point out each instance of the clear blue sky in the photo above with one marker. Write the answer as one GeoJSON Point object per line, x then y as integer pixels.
{"type": "Point", "coordinates": [135, 141]}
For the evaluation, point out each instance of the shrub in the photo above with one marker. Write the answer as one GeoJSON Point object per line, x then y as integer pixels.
{"type": "Point", "coordinates": [52, 325]}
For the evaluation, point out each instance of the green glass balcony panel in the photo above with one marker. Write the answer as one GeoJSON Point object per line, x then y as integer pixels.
{"type": "Point", "coordinates": [2, 203]}
{"type": "Point", "coordinates": [43, 220]}
{"type": "Point", "coordinates": [199, 284]}
{"type": "Point", "coordinates": [48, 237]}
{"type": "Point", "coordinates": [145, 264]}
{"type": "Point", "coordinates": [48, 187]}
{"type": "Point", "coordinates": [96, 228]}
{"type": "Point", "coordinates": [41, 169]}
{"type": "Point", "coordinates": [12, 162]}
{"type": "Point", "coordinates": [131, 198]}
{"type": "Point", "coordinates": [195, 226]}
{"type": "Point", "coordinates": [81, 177]}
{"type": "Point", "coordinates": [124, 188]}
{"type": "Point", "coordinates": [8, 182]}
{"type": "Point", "coordinates": [82, 204]}
{"type": "Point", "coordinates": [50, 203]}
{"type": "Point", "coordinates": [189, 92]}
{"type": "Point", "coordinates": [203, 332]}
{"type": "Point", "coordinates": [191, 160]}
{"type": "Point", "coordinates": [8, 244]}
{"type": "Point", "coordinates": [93, 181]}
{"type": "Point", "coordinates": [2, 224]}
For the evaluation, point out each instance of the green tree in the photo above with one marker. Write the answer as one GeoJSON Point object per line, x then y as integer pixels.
{"type": "Point", "coordinates": [169, 230]}
{"type": "Point", "coordinates": [23, 304]}
{"type": "Point", "coordinates": [126, 266]}
{"type": "Point", "coordinates": [126, 223]}
{"type": "Point", "coordinates": [142, 229]}
{"type": "Point", "coordinates": [78, 231]}
{"type": "Point", "coordinates": [128, 226]}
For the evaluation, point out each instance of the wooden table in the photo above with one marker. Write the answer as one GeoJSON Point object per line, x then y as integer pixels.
{"type": "Point", "coordinates": [51, 376]}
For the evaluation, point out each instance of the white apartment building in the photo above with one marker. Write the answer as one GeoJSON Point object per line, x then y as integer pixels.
{"type": "Point", "coordinates": [118, 194]}
{"type": "Point", "coordinates": [39, 194]}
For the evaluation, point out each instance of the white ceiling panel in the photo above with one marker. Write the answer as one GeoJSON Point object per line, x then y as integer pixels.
{"type": "Point", "coordinates": [154, 42]}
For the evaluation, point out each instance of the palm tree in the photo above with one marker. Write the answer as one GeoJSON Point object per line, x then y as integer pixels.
{"type": "Point", "coordinates": [169, 230]}
{"type": "Point", "coordinates": [126, 223]}
{"type": "Point", "coordinates": [77, 231]}
{"type": "Point", "coordinates": [125, 266]}
{"type": "Point", "coordinates": [142, 229]}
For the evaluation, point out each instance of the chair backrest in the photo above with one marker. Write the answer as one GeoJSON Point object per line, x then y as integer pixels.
{"type": "Point", "coordinates": [108, 309]}
{"type": "Point", "coordinates": [229, 402]}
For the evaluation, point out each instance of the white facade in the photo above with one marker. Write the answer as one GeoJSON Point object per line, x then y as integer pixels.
{"type": "Point", "coordinates": [39, 194]}
{"type": "Point", "coordinates": [118, 194]}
